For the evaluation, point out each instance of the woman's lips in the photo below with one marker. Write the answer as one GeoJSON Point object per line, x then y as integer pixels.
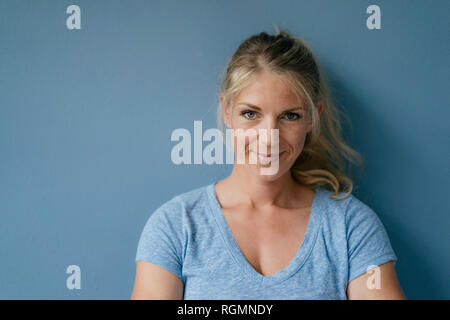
{"type": "Point", "coordinates": [268, 158]}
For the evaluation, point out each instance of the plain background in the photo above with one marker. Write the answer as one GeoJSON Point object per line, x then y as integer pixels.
{"type": "Point", "coordinates": [86, 118]}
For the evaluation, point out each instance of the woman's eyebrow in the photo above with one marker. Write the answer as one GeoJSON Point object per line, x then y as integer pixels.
{"type": "Point", "coordinates": [258, 108]}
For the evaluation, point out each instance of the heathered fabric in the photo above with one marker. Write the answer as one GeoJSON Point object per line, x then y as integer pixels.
{"type": "Point", "coordinates": [188, 236]}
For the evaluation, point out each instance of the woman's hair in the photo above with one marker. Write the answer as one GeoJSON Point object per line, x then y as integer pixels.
{"type": "Point", "coordinates": [322, 160]}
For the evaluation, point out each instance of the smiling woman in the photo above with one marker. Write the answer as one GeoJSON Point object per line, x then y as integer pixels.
{"type": "Point", "coordinates": [243, 237]}
{"type": "Point", "coordinates": [286, 65]}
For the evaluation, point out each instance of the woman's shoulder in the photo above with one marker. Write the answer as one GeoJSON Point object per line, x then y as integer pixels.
{"type": "Point", "coordinates": [183, 203]}
{"type": "Point", "coordinates": [348, 210]}
{"type": "Point", "coordinates": [328, 202]}
{"type": "Point", "coordinates": [166, 225]}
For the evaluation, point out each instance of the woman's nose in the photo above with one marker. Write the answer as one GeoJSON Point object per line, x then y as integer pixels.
{"type": "Point", "coordinates": [269, 123]}
{"type": "Point", "coordinates": [268, 134]}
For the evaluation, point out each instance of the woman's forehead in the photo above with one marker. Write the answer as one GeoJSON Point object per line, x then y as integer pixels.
{"type": "Point", "coordinates": [267, 85]}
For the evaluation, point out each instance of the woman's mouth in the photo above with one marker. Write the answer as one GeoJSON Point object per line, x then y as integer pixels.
{"type": "Point", "coordinates": [266, 159]}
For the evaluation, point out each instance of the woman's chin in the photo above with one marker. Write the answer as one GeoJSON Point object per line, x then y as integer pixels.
{"type": "Point", "coordinates": [267, 173]}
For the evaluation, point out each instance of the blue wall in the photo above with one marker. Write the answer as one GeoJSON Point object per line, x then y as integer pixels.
{"type": "Point", "coordinates": [86, 117]}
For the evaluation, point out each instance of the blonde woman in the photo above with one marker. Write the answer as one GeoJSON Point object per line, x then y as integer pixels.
{"type": "Point", "coordinates": [298, 233]}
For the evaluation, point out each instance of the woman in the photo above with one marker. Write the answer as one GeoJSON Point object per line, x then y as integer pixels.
{"type": "Point", "coordinates": [297, 233]}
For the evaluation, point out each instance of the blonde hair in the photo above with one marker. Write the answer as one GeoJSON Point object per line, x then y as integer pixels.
{"type": "Point", "coordinates": [322, 160]}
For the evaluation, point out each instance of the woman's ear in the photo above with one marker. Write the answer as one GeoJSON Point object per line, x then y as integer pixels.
{"type": "Point", "coordinates": [225, 111]}
{"type": "Point", "coordinates": [320, 107]}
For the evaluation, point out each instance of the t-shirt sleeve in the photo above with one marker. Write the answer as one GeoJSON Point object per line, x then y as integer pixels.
{"type": "Point", "coordinates": [160, 240]}
{"type": "Point", "coordinates": [367, 239]}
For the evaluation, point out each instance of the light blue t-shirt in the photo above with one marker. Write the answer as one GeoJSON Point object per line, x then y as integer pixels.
{"type": "Point", "coordinates": [189, 236]}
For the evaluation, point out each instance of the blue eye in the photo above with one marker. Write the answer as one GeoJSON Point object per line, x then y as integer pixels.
{"type": "Point", "coordinates": [296, 116]}
{"type": "Point", "coordinates": [251, 115]}
{"type": "Point", "coordinates": [246, 112]}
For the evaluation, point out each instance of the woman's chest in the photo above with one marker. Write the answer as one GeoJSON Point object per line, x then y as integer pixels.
{"type": "Point", "coordinates": [215, 269]}
{"type": "Point", "coordinates": [268, 242]}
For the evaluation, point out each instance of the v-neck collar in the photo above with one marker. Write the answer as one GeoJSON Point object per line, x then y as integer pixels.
{"type": "Point", "coordinates": [294, 265]}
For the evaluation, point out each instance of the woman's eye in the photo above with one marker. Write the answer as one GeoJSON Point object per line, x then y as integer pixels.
{"type": "Point", "coordinates": [252, 114]}
{"type": "Point", "coordinates": [292, 116]}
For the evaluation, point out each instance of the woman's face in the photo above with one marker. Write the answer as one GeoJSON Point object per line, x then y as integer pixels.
{"type": "Point", "coordinates": [267, 103]}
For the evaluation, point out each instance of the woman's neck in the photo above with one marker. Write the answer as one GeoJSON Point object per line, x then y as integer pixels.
{"type": "Point", "coordinates": [242, 187]}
